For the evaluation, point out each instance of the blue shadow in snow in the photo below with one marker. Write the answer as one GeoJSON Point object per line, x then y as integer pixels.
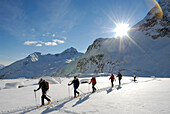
{"type": "Point", "coordinates": [48, 110]}
{"type": "Point", "coordinates": [119, 87]}
{"type": "Point", "coordinates": [81, 100]}
{"type": "Point", "coordinates": [109, 90]}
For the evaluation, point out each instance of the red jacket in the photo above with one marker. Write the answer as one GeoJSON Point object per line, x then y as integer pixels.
{"type": "Point", "coordinates": [112, 77]}
{"type": "Point", "coordinates": [93, 80]}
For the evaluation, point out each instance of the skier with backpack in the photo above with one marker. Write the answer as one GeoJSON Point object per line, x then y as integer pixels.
{"type": "Point", "coordinates": [112, 78]}
{"type": "Point", "coordinates": [75, 83]}
{"type": "Point", "coordinates": [93, 81]}
{"type": "Point", "coordinates": [119, 77]}
{"type": "Point", "coordinates": [44, 86]}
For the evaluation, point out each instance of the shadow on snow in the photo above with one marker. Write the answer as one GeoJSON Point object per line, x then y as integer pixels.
{"type": "Point", "coordinates": [82, 99]}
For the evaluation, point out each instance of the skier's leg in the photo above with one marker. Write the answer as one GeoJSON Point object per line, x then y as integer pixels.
{"type": "Point", "coordinates": [112, 83]}
{"type": "Point", "coordinates": [93, 87]}
{"type": "Point", "coordinates": [77, 91]}
{"type": "Point", "coordinates": [42, 99]}
{"type": "Point", "coordinates": [74, 92]}
{"type": "Point", "coordinates": [46, 98]}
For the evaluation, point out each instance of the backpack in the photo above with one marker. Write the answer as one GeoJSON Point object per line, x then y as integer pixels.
{"type": "Point", "coordinates": [120, 76]}
{"type": "Point", "coordinates": [47, 85]}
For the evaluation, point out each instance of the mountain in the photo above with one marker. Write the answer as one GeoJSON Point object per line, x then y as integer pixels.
{"type": "Point", "coordinates": [36, 64]}
{"type": "Point", "coordinates": [145, 51]}
{"type": "Point", "coordinates": [1, 66]}
{"type": "Point", "coordinates": [157, 22]}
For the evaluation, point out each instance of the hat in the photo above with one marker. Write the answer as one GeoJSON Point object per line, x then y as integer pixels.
{"type": "Point", "coordinates": [40, 81]}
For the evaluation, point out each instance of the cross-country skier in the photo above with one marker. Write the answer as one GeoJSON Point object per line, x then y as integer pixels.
{"type": "Point", "coordinates": [75, 83]}
{"type": "Point", "coordinates": [112, 78]}
{"type": "Point", "coordinates": [119, 77]}
{"type": "Point", "coordinates": [44, 86]}
{"type": "Point", "coordinates": [134, 76]}
{"type": "Point", "coordinates": [93, 81]}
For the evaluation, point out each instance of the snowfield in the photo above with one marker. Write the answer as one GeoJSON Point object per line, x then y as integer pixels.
{"type": "Point", "coordinates": [146, 96]}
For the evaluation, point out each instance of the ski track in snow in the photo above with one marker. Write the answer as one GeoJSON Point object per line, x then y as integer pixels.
{"type": "Point", "coordinates": [58, 105]}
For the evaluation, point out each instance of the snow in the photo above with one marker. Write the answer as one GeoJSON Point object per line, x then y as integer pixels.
{"type": "Point", "coordinates": [68, 61]}
{"type": "Point", "coordinates": [34, 57]}
{"type": "Point", "coordinates": [13, 85]}
{"type": "Point", "coordinates": [148, 95]}
{"type": "Point", "coordinates": [36, 64]}
{"type": "Point", "coordinates": [1, 66]}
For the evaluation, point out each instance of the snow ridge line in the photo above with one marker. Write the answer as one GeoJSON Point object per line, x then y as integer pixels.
{"type": "Point", "coordinates": [60, 103]}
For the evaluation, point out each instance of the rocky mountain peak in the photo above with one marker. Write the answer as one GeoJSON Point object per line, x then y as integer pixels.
{"type": "Point", "coordinates": [70, 51]}
{"type": "Point", "coordinates": [96, 44]}
{"type": "Point", "coordinates": [157, 22]}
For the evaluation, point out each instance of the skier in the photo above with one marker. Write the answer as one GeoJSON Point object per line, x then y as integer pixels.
{"type": "Point", "coordinates": [134, 76]}
{"type": "Point", "coordinates": [44, 85]}
{"type": "Point", "coordinates": [75, 83]}
{"type": "Point", "coordinates": [112, 78]}
{"type": "Point", "coordinates": [119, 78]}
{"type": "Point", "coordinates": [93, 81]}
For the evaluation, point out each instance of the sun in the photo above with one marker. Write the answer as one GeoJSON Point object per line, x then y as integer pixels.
{"type": "Point", "coordinates": [121, 30]}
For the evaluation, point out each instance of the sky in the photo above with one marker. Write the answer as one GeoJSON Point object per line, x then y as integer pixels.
{"type": "Point", "coordinates": [51, 26]}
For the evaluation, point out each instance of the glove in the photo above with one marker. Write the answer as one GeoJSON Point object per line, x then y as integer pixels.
{"type": "Point", "coordinates": [35, 90]}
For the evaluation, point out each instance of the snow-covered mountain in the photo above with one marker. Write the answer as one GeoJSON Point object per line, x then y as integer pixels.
{"type": "Point", "coordinates": [1, 66]}
{"type": "Point", "coordinates": [157, 22]}
{"type": "Point", "coordinates": [36, 64]}
{"type": "Point", "coordinates": [145, 51]}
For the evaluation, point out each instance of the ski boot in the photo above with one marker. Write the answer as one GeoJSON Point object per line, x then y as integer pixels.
{"type": "Point", "coordinates": [49, 102]}
{"type": "Point", "coordinates": [42, 105]}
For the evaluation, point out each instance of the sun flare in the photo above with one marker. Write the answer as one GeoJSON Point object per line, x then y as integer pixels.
{"type": "Point", "coordinates": [121, 30]}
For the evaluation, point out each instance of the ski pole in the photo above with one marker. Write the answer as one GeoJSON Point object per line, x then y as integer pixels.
{"type": "Point", "coordinates": [108, 83]}
{"type": "Point", "coordinates": [35, 98]}
{"type": "Point", "coordinates": [96, 86]}
{"type": "Point", "coordinates": [49, 96]}
{"type": "Point", "coordinates": [88, 88]}
{"type": "Point", "coordinates": [68, 91]}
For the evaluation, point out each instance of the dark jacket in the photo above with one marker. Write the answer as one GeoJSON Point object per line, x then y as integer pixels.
{"type": "Point", "coordinates": [119, 76]}
{"type": "Point", "coordinates": [43, 86]}
{"type": "Point", "coordinates": [75, 83]}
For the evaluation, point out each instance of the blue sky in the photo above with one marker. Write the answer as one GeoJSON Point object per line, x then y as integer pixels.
{"type": "Point", "coordinates": [51, 26]}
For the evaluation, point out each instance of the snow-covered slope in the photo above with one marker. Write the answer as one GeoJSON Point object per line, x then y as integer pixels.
{"type": "Point", "coordinates": [157, 22]}
{"type": "Point", "coordinates": [36, 64]}
{"type": "Point", "coordinates": [145, 52]}
{"type": "Point", "coordinates": [1, 66]}
{"type": "Point", "coordinates": [146, 96]}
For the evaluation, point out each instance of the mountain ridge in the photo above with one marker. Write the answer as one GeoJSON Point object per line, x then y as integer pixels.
{"type": "Point", "coordinates": [36, 64]}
